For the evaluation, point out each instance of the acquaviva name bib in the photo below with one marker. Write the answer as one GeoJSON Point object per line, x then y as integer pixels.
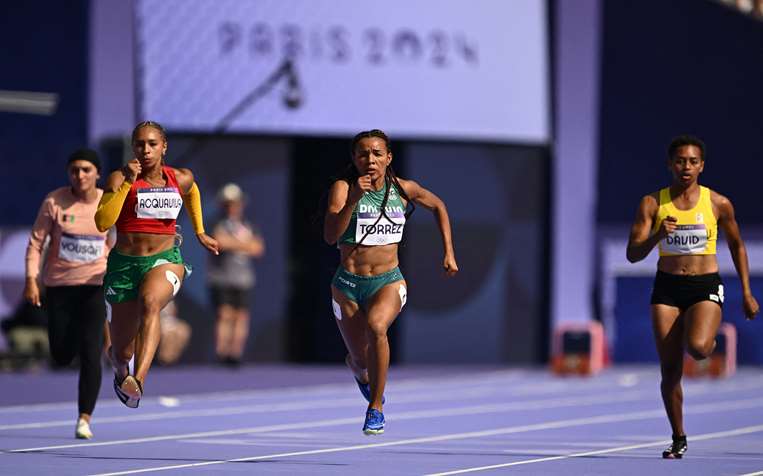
{"type": "Point", "coordinates": [158, 202]}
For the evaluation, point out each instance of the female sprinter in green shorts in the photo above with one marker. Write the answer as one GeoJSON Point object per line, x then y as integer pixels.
{"type": "Point", "coordinates": [365, 216]}
{"type": "Point", "coordinates": [145, 269]}
{"type": "Point", "coordinates": [687, 297]}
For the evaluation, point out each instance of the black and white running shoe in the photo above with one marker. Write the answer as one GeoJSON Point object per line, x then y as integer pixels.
{"type": "Point", "coordinates": [129, 390]}
{"type": "Point", "coordinates": [676, 449]}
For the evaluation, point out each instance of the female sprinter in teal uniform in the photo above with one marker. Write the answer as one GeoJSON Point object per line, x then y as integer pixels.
{"type": "Point", "coordinates": [145, 269]}
{"type": "Point", "coordinates": [687, 296]}
{"type": "Point", "coordinates": [365, 217]}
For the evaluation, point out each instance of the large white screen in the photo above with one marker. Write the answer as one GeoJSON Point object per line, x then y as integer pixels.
{"type": "Point", "coordinates": [465, 69]}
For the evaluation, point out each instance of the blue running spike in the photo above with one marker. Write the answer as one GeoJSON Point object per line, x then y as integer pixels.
{"type": "Point", "coordinates": [374, 424]}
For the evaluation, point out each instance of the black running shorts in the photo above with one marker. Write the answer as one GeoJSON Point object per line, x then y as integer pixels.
{"type": "Point", "coordinates": [682, 291]}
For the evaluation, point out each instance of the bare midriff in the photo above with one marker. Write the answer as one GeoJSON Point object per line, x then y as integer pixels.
{"type": "Point", "coordinates": [143, 244]}
{"type": "Point", "coordinates": [369, 260]}
{"type": "Point", "coordinates": [688, 265]}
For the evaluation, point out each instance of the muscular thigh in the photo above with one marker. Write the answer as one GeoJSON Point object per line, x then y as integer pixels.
{"type": "Point", "coordinates": [668, 327]}
{"type": "Point", "coordinates": [162, 283]}
{"type": "Point", "coordinates": [703, 320]}
{"type": "Point", "coordinates": [347, 313]}
{"type": "Point", "coordinates": [386, 304]}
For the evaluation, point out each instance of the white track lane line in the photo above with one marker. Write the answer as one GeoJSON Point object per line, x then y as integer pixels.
{"type": "Point", "coordinates": [407, 392]}
{"type": "Point", "coordinates": [411, 415]}
{"type": "Point", "coordinates": [331, 402]}
{"type": "Point", "coordinates": [610, 418]}
{"type": "Point", "coordinates": [706, 436]}
{"type": "Point", "coordinates": [434, 413]}
{"type": "Point", "coordinates": [335, 403]}
{"type": "Point", "coordinates": [413, 385]}
{"type": "Point", "coordinates": [410, 383]}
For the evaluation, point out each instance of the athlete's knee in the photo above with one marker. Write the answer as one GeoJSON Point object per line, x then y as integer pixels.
{"type": "Point", "coordinates": [90, 356]}
{"type": "Point", "coordinates": [700, 348]}
{"type": "Point", "coordinates": [150, 303]}
{"type": "Point", "coordinates": [242, 317]}
{"type": "Point", "coordinates": [225, 317]}
{"type": "Point", "coordinates": [121, 356]}
{"type": "Point", "coordinates": [377, 329]}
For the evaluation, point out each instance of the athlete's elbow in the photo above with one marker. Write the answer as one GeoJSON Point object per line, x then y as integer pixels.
{"type": "Point", "coordinates": [632, 257]}
{"type": "Point", "coordinates": [736, 247]}
{"type": "Point", "coordinates": [101, 224]}
{"type": "Point", "coordinates": [329, 236]}
{"type": "Point", "coordinates": [331, 232]}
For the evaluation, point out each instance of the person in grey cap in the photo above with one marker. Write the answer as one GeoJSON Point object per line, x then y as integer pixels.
{"type": "Point", "coordinates": [231, 274]}
{"type": "Point", "coordinates": [72, 271]}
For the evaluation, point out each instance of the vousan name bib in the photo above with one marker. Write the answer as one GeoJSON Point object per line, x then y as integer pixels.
{"type": "Point", "coordinates": [81, 248]}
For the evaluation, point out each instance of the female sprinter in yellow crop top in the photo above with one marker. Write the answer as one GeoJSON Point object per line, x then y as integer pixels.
{"type": "Point", "coordinates": [687, 297]}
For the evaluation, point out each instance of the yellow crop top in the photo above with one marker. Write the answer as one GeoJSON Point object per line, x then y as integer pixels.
{"type": "Point", "coordinates": [697, 229]}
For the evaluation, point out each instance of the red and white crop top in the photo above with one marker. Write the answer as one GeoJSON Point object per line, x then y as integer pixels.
{"type": "Point", "coordinates": [149, 209]}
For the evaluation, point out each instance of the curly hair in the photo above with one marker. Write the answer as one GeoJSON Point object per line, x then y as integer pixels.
{"type": "Point", "coordinates": [684, 140]}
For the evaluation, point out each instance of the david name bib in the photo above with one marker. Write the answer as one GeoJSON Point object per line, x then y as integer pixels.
{"type": "Point", "coordinates": [687, 239]}
{"type": "Point", "coordinates": [384, 231]}
{"type": "Point", "coordinates": [81, 248]}
{"type": "Point", "coordinates": [158, 202]}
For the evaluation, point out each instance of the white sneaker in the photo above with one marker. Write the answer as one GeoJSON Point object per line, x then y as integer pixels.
{"type": "Point", "coordinates": [83, 430]}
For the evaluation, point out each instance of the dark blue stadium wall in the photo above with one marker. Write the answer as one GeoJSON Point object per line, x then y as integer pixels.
{"type": "Point", "coordinates": [45, 49]}
{"type": "Point", "coordinates": [684, 66]}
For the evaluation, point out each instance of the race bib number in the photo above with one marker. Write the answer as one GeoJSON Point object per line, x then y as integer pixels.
{"type": "Point", "coordinates": [687, 239]}
{"type": "Point", "coordinates": [384, 231]}
{"type": "Point", "coordinates": [161, 202]}
{"type": "Point", "coordinates": [81, 248]}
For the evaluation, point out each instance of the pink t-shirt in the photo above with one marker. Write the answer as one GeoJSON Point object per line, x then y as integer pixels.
{"type": "Point", "coordinates": [77, 252]}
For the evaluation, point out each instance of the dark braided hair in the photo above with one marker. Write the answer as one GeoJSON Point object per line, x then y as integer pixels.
{"type": "Point", "coordinates": [153, 124]}
{"type": "Point", "coordinates": [390, 179]}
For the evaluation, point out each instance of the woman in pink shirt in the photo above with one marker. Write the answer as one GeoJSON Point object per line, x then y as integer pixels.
{"type": "Point", "coordinates": [72, 272]}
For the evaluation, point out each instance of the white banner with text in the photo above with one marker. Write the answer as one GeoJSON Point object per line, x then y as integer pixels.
{"type": "Point", "coordinates": [473, 70]}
